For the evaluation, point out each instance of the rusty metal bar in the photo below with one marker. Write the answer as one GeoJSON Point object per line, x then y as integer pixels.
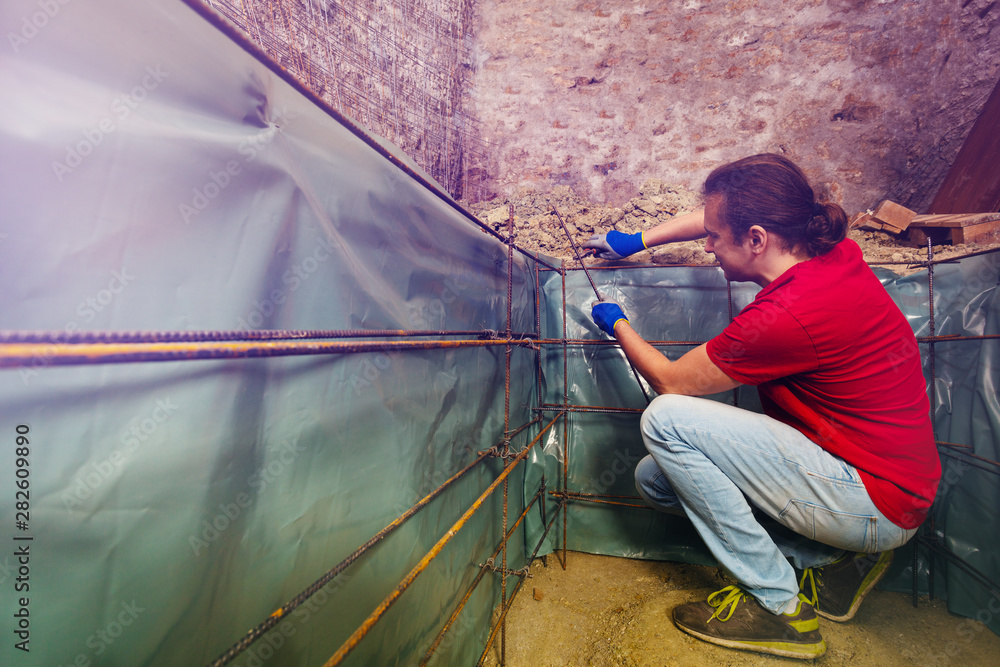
{"type": "Point", "coordinates": [570, 495]}
{"type": "Point", "coordinates": [614, 343]}
{"type": "Point", "coordinates": [631, 266]}
{"type": "Point", "coordinates": [475, 582]}
{"type": "Point", "coordinates": [13, 355]}
{"type": "Point", "coordinates": [104, 337]}
{"type": "Point", "coordinates": [551, 407]}
{"type": "Point", "coordinates": [949, 339]}
{"type": "Point", "coordinates": [380, 611]}
{"type": "Point", "coordinates": [576, 251]}
{"type": "Point", "coordinates": [565, 415]}
{"type": "Point", "coordinates": [963, 450]}
{"type": "Point", "coordinates": [506, 424]}
{"type": "Point", "coordinates": [275, 617]}
{"type": "Point", "coordinates": [517, 588]}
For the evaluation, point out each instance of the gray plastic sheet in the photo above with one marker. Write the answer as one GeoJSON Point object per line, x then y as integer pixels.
{"type": "Point", "coordinates": [156, 176]}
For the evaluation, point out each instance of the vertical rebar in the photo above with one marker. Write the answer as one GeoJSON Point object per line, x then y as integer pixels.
{"type": "Point", "coordinates": [565, 479]}
{"type": "Point", "coordinates": [506, 430]}
{"type": "Point", "coordinates": [933, 400]}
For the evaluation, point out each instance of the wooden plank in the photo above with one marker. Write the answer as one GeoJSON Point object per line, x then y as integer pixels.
{"type": "Point", "coordinates": [956, 228]}
{"type": "Point", "coordinates": [894, 218]}
{"type": "Point", "coordinates": [973, 182]}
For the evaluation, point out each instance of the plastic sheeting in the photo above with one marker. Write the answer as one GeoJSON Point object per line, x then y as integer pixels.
{"type": "Point", "coordinates": [692, 304]}
{"type": "Point", "coordinates": [163, 178]}
{"type": "Point", "coordinates": [156, 176]}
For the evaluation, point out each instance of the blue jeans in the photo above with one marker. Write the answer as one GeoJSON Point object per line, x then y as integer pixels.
{"type": "Point", "coordinates": [758, 492]}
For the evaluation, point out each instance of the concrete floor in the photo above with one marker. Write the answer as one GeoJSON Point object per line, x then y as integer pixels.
{"type": "Point", "coordinates": [606, 611]}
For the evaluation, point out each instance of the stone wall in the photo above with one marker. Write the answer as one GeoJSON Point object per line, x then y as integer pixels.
{"type": "Point", "coordinates": [871, 97]}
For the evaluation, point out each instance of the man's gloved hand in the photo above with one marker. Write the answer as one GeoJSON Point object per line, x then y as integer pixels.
{"type": "Point", "coordinates": [614, 244]}
{"type": "Point", "coordinates": [606, 314]}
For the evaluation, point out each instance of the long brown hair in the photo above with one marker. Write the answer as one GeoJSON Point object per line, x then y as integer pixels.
{"type": "Point", "coordinates": [771, 191]}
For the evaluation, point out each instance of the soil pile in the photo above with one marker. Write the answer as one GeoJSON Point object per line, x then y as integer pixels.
{"type": "Point", "coordinates": [537, 228]}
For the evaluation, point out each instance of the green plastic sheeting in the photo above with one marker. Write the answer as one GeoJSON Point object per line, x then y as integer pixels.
{"type": "Point", "coordinates": [693, 304]}
{"type": "Point", "coordinates": [156, 176]}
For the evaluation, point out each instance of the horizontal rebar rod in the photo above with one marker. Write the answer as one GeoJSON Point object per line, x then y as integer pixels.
{"type": "Point", "coordinates": [627, 266]}
{"type": "Point", "coordinates": [963, 450]}
{"type": "Point", "coordinates": [13, 355]}
{"type": "Point", "coordinates": [275, 617]}
{"type": "Point", "coordinates": [380, 611]}
{"type": "Point", "coordinates": [613, 343]}
{"type": "Point", "coordinates": [475, 583]}
{"type": "Point", "coordinates": [949, 339]}
{"type": "Point", "coordinates": [78, 337]}
{"type": "Point", "coordinates": [549, 407]}
{"type": "Point", "coordinates": [569, 495]}
{"type": "Point", "coordinates": [992, 587]}
{"type": "Point", "coordinates": [971, 463]}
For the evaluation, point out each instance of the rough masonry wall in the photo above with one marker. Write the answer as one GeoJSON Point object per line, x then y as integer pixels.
{"type": "Point", "coordinates": [873, 98]}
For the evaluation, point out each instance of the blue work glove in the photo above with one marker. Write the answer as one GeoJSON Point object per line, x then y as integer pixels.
{"type": "Point", "coordinates": [614, 244]}
{"type": "Point", "coordinates": [607, 314]}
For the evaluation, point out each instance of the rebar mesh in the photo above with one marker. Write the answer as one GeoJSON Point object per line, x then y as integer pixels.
{"type": "Point", "coordinates": [400, 68]}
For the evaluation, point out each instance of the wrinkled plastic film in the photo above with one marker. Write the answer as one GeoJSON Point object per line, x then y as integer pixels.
{"type": "Point", "coordinates": [687, 304]}
{"type": "Point", "coordinates": [167, 180]}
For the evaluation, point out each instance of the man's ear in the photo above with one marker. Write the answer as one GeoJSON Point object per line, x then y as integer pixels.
{"type": "Point", "coordinates": [757, 236]}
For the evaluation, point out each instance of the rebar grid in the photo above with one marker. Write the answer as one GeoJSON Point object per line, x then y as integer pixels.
{"type": "Point", "coordinates": [83, 348]}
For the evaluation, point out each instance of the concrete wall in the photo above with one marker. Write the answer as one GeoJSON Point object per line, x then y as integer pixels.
{"type": "Point", "coordinates": [871, 97]}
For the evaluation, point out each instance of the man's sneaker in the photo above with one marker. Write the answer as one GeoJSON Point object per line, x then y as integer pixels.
{"type": "Point", "coordinates": [837, 589]}
{"type": "Point", "coordinates": [733, 618]}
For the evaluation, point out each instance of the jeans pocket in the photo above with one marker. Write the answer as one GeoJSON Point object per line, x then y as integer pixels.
{"type": "Point", "coordinates": [855, 532]}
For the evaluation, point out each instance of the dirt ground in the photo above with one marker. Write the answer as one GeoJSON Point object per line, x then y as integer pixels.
{"type": "Point", "coordinates": [538, 230]}
{"type": "Point", "coordinates": [615, 612]}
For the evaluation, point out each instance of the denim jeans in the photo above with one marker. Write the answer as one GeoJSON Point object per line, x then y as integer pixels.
{"type": "Point", "coordinates": [758, 492]}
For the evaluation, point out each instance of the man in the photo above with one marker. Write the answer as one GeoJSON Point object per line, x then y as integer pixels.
{"type": "Point", "coordinates": [803, 504]}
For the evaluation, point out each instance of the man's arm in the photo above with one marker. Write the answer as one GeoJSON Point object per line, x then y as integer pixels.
{"type": "Point", "coordinates": [684, 227]}
{"type": "Point", "coordinates": [694, 374]}
{"type": "Point", "coordinates": [616, 245]}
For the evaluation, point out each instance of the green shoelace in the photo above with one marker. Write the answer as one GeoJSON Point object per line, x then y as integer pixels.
{"type": "Point", "coordinates": [725, 602]}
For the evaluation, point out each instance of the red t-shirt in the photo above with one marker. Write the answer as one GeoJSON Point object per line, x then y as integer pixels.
{"type": "Point", "coordinates": [833, 356]}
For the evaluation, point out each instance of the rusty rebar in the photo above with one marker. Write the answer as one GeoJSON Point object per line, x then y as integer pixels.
{"type": "Point", "coordinates": [106, 337]}
{"type": "Point", "coordinates": [576, 251]}
{"type": "Point", "coordinates": [380, 611]}
{"type": "Point", "coordinates": [275, 617]}
{"type": "Point", "coordinates": [565, 415]}
{"type": "Point", "coordinates": [13, 355]}
{"type": "Point", "coordinates": [595, 499]}
{"type": "Point", "coordinates": [552, 407]}
{"type": "Point", "coordinates": [579, 258]}
{"type": "Point", "coordinates": [540, 494]}
{"type": "Point", "coordinates": [517, 588]}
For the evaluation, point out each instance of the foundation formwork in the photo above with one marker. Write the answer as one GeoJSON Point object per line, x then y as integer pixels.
{"type": "Point", "coordinates": [393, 409]}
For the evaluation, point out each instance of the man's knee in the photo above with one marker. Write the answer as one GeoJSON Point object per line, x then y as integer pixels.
{"type": "Point", "coordinates": [659, 415]}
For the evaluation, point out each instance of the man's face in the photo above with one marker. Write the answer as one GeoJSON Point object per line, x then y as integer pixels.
{"type": "Point", "coordinates": [732, 256]}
